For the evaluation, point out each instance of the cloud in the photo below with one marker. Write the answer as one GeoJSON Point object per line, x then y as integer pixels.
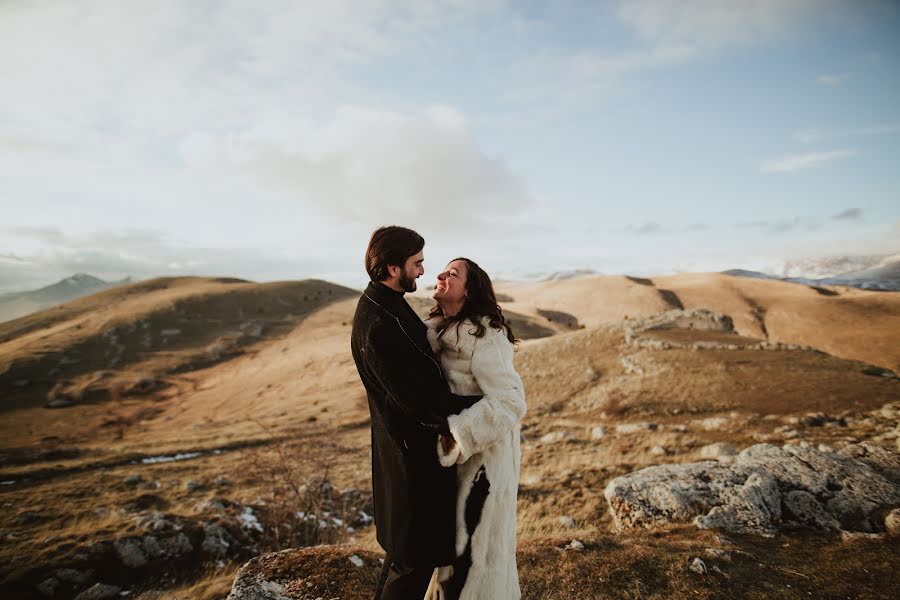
{"type": "Point", "coordinates": [652, 227]}
{"type": "Point", "coordinates": [832, 80]}
{"type": "Point", "coordinates": [775, 226]}
{"type": "Point", "coordinates": [709, 25]}
{"type": "Point", "coordinates": [814, 134]}
{"type": "Point", "coordinates": [365, 165]}
{"type": "Point", "coordinates": [115, 254]}
{"type": "Point", "coordinates": [799, 162]}
{"type": "Point", "coordinates": [851, 214]}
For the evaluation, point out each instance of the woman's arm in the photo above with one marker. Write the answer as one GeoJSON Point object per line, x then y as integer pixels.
{"type": "Point", "coordinates": [501, 408]}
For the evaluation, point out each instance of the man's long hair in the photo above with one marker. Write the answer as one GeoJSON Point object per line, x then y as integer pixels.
{"type": "Point", "coordinates": [480, 302]}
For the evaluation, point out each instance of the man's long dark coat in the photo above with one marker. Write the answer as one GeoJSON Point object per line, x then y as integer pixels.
{"type": "Point", "coordinates": [409, 402]}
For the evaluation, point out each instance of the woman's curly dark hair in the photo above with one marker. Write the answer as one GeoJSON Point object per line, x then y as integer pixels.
{"type": "Point", "coordinates": [480, 302]}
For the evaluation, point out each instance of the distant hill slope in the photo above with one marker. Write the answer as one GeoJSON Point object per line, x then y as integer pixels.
{"type": "Point", "coordinates": [147, 330]}
{"type": "Point", "coordinates": [17, 304]}
{"type": "Point", "coordinates": [843, 321]}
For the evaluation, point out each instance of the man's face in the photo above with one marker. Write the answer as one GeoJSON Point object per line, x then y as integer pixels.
{"type": "Point", "coordinates": [412, 270]}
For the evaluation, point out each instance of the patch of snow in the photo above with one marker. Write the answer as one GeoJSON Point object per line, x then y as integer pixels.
{"type": "Point", "coordinates": [161, 459]}
{"type": "Point", "coordinates": [248, 520]}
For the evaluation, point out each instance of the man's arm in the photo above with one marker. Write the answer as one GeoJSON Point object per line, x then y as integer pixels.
{"type": "Point", "coordinates": [412, 379]}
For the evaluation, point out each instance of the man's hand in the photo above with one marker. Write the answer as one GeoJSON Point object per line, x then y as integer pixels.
{"type": "Point", "coordinates": [447, 443]}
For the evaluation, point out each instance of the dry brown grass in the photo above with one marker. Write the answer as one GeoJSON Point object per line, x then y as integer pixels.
{"type": "Point", "coordinates": [294, 398]}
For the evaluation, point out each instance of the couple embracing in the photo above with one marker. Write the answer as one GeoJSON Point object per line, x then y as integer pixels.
{"type": "Point", "coordinates": [446, 406]}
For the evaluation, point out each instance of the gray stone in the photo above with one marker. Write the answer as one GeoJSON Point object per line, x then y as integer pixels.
{"type": "Point", "coordinates": [216, 540]}
{"type": "Point", "coordinates": [130, 552]}
{"type": "Point", "coordinates": [849, 490]}
{"type": "Point", "coordinates": [75, 576]}
{"type": "Point", "coordinates": [698, 566]}
{"type": "Point", "coordinates": [718, 450]}
{"type": "Point", "coordinates": [892, 522]}
{"type": "Point", "coordinates": [598, 433]}
{"type": "Point", "coordinates": [802, 507]}
{"type": "Point", "coordinates": [48, 587]}
{"type": "Point", "coordinates": [99, 591]}
{"type": "Point", "coordinates": [754, 507]}
{"type": "Point", "coordinates": [567, 521]}
{"type": "Point", "coordinates": [718, 553]}
{"type": "Point", "coordinates": [635, 427]}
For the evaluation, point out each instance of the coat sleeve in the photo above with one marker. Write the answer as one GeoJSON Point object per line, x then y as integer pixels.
{"type": "Point", "coordinates": [412, 380]}
{"type": "Point", "coordinates": [501, 408]}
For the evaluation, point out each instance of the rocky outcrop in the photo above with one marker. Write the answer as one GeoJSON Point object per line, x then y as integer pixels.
{"type": "Point", "coordinates": [308, 573]}
{"type": "Point", "coordinates": [763, 489]}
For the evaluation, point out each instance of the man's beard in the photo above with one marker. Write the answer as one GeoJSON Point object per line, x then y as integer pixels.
{"type": "Point", "coordinates": [407, 283]}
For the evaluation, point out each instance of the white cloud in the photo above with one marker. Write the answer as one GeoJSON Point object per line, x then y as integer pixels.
{"type": "Point", "coordinates": [832, 80]}
{"type": "Point", "coordinates": [712, 24]}
{"type": "Point", "coordinates": [799, 162]}
{"type": "Point", "coordinates": [365, 165]}
{"type": "Point", "coordinates": [815, 134]}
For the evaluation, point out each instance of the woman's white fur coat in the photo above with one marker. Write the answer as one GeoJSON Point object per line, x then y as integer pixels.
{"type": "Point", "coordinates": [486, 434]}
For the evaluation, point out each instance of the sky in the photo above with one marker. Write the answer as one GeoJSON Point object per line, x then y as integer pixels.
{"type": "Point", "coordinates": [267, 139]}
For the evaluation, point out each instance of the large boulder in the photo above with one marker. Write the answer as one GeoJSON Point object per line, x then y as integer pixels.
{"type": "Point", "coordinates": [308, 573]}
{"type": "Point", "coordinates": [765, 488]}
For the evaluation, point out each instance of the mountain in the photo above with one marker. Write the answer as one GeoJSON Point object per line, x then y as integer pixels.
{"type": "Point", "coordinates": [17, 304]}
{"type": "Point", "coordinates": [878, 273]}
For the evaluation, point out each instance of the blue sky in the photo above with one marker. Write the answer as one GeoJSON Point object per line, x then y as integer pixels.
{"type": "Point", "coordinates": [266, 140]}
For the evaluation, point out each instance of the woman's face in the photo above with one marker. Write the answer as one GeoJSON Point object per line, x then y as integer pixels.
{"type": "Point", "coordinates": [451, 284]}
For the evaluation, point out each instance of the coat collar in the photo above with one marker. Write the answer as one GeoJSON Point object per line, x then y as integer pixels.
{"type": "Point", "coordinates": [393, 302]}
{"type": "Point", "coordinates": [390, 299]}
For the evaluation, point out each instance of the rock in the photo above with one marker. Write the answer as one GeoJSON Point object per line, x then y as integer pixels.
{"type": "Point", "coordinates": [711, 423]}
{"type": "Point", "coordinates": [357, 561]}
{"type": "Point", "coordinates": [892, 522]}
{"type": "Point", "coordinates": [136, 552]}
{"type": "Point", "coordinates": [216, 540]}
{"type": "Point", "coordinates": [221, 480]}
{"type": "Point", "coordinates": [698, 566]}
{"type": "Point", "coordinates": [635, 427]}
{"type": "Point", "coordinates": [598, 433]}
{"type": "Point", "coordinates": [847, 490]}
{"type": "Point", "coordinates": [48, 587]}
{"type": "Point", "coordinates": [99, 591]}
{"type": "Point", "coordinates": [575, 545]}
{"type": "Point", "coordinates": [803, 508]}
{"type": "Point", "coordinates": [60, 402]}
{"type": "Point", "coordinates": [718, 553]}
{"type": "Point", "coordinates": [556, 436]}
{"type": "Point", "coordinates": [75, 576]}
{"type": "Point", "coordinates": [567, 521]}
{"type": "Point", "coordinates": [718, 451]}
{"type": "Point", "coordinates": [191, 485]}
{"type": "Point", "coordinates": [814, 420]}
{"type": "Point", "coordinates": [156, 521]}
{"type": "Point", "coordinates": [132, 479]}
{"type": "Point", "coordinates": [859, 536]}
{"type": "Point", "coordinates": [130, 552]}
{"type": "Point", "coordinates": [658, 451]}
{"type": "Point", "coordinates": [754, 507]}
{"type": "Point", "coordinates": [305, 573]}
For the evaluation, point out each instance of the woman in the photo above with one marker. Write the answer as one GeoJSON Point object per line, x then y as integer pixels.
{"type": "Point", "coordinates": [475, 343]}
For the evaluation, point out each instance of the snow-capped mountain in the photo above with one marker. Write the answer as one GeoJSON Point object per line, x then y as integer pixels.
{"type": "Point", "coordinates": [873, 272]}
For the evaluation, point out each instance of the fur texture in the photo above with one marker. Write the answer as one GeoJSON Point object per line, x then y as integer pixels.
{"type": "Point", "coordinates": [488, 434]}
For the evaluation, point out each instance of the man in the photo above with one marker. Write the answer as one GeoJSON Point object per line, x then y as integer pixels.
{"type": "Point", "coordinates": [409, 402]}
